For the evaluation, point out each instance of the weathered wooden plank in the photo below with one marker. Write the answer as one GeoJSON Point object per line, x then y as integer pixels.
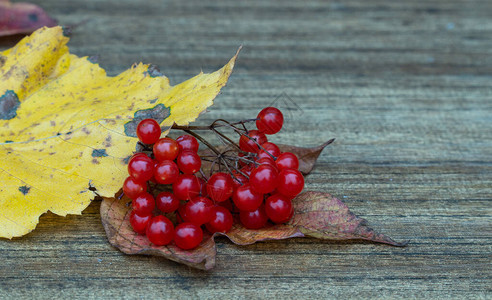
{"type": "Point", "coordinates": [404, 86]}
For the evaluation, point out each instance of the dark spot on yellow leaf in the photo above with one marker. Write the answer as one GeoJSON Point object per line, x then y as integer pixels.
{"type": "Point", "coordinates": [107, 141]}
{"type": "Point", "coordinates": [95, 161]}
{"type": "Point", "coordinates": [9, 103]}
{"type": "Point", "coordinates": [153, 101]}
{"type": "Point", "coordinates": [8, 142]}
{"type": "Point", "coordinates": [52, 123]}
{"type": "Point", "coordinates": [153, 71]}
{"type": "Point", "coordinates": [158, 113]}
{"type": "Point", "coordinates": [99, 153]}
{"type": "Point", "coordinates": [24, 189]}
{"type": "Point", "coordinates": [85, 130]}
{"type": "Point", "coordinates": [3, 59]}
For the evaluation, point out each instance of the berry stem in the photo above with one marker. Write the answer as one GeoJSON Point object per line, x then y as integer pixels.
{"type": "Point", "coordinates": [213, 125]}
{"type": "Point", "coordinates": [201, 139]}
{"type": "Point", "coordinates": [223, 136]}
{"type": "Point", "coordinates": [203, 174]}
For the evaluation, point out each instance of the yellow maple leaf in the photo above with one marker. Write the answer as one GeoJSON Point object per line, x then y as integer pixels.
{"type": "Point", "coordinates": [65, 126]}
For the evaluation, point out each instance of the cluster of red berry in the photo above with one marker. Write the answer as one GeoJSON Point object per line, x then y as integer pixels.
{"type": "Point", "coordinates": [261, 184]}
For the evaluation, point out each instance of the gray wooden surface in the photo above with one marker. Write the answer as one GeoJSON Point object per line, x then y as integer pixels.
{"type": "Point", "coordinates": [404, 86]}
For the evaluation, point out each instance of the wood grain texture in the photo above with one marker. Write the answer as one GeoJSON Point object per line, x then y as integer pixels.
{"type": "Point", "coordinates": [404, 87]}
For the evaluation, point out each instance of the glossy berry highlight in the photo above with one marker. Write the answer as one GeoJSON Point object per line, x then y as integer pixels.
{"type": "Point", "coordinates": [148, 131]}
{"type": "Point", "coordinates": [141, 168]}
{"type": "Point", "coordinates": [160, 231]}
{"type": "Point", "coordinates": [166, 172]}
{"type": "Point", "coordinates": [187, 142]}
{"type": "Point", "coordinates": [220, 187]}
{"type": "Point", "coordinates": [132, 188]}
{"type": "Point", "coordinates": [188, 236]}
{"type": "Point", "coordinates": [290, 182]}
{"type": "Point", "coordinates": [269, 120]}
{"type": "Point", "coordinates": [166, 149]}
{"type": "Point", "coordinates": [278, 208]}
{"type": "Point", "coordinates": [221, 220]}
{"type": "Point", "coordinates": [139, 223]}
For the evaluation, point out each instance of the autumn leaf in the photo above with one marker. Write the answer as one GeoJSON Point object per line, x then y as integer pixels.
{"type": "Point", "coordinates": [307, 155]}
{"type": "Point", "coordinates": [17, 18]}
{"type": "Point", "coordinates": [316, 214]}
{"type": "Point", "coordinates": [67, 129]}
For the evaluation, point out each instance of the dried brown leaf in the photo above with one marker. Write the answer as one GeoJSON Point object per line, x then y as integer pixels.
{"type": "Point", "coordinates": [316, 214]}
{"type": "Point", "coordinates": [307, 156]}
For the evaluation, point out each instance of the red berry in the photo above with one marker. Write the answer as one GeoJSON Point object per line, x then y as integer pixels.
{"type": "Point", "coordinates": [188, 236]}
{"type": "Point", "coordinates": [187, 142]}
{"type": "Point", "coordinates": [132, 188]}
{"type": "Point", "coordinates": [186, 187]}
{"type": "Point", "coordinates": [166, 149]}
{"type": "Point", "coordinates": [139, 223]}
{"type": "Point", "coordinates": [137, 155]}
{"type": "Point", "coordinates": [199, 210]}
{"type": "Point", "coordinates": [287, 160]}
{"type": "Point", "coordinates": [227, 205]}
{"type": "Point", "coordinates": [254, 219]}
{"type": "Point", "coordinates": [221, 220]}
{"type": "Point", "coordinates": [267, 161]}
{"type": "Point", "coordinates": [156, 162]}
{"type": "Point", "coordinates": [247, 144]}
{"type": "Point", "coordinates": [264, 179]}
{"type": "Point", "coordinates": [167, 202]}
{"type": "Point", "coordinates": [246, 199]}
{"type": "Point", "coordinates": [143, 204]}
{"type": "Point", "coordinates": [220, 187]}
{"type": "Point", "coordinates": [189, 162]}
{"type": "Point", "coordinates": [141, 168]}
{"type": "Point", "coordinates": [269, 120]}
{"type": "Point", "coordinates": [278, 208]}
{"type": "Point", "coordinates": [182, 217]}
{"type": "Point", "coordinates": [160, 231]}
{"type": "Point", "coordinates": [148, 131]}
{"type": "Point", "coordinates": [290, 182]}
{"type": "Point", "coordinates": [247, 169]}
{"type": "Point", "coordinates": [271, 148]}
{"type": "Point", "coordinates": [166, 172]}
